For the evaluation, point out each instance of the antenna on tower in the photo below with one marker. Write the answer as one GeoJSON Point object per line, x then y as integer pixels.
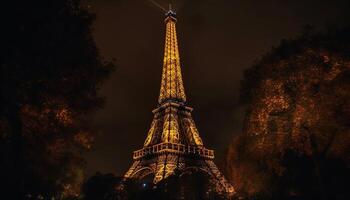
{"type": "Point", "coordinates": [171, 12]}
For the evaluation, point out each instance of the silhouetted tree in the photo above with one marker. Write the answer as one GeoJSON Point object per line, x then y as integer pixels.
{"type": "Point", "coordinates": [101, 186]}
{"type": "Point", "coordinates": [109, 187]}
{"type": "Point", "coordinates": [50, 74]}
{"type": "Point", "coordinates": [191, 185]}
{"type": "Point", "coordinates": [296, 140]}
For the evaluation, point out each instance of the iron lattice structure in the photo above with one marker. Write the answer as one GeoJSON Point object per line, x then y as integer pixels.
{"type": "Point", "coordinates": [173, 142]}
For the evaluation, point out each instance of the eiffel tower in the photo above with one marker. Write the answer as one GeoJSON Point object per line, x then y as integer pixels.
{"type": "Point", "coordinates": [173, 142]}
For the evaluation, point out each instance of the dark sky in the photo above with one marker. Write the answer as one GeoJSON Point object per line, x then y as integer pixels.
{"type": "Point", "coordinates": [218, 40]}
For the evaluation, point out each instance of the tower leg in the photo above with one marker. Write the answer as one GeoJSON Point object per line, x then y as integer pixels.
{"type": "Point", "coordinates": [132, 169]}
{"type": "Point", "coordinates": [166, 166]}
{"type": "Point", "coordinates": [221, 181]}
{"type": "Point", "coordinates": [159, 173]}
{"type": "Point", "coordinates": [171, 164]}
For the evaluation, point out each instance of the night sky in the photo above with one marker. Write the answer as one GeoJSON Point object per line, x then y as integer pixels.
{"type": "Point", "coordinates": [218, 40]}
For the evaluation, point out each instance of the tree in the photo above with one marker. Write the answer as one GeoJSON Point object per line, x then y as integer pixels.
{"type": "Point", "coordinates": [295, 140]}
{"type": "Point", "coordinates": [190, 185]}
{"type": "Point", "coordinates": [101, 186]}
{"type": "Point", "coordinates": [50, 75]}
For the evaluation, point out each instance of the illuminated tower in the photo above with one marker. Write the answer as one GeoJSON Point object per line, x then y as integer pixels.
{"type": "Point", "coordinates": [173, 142]}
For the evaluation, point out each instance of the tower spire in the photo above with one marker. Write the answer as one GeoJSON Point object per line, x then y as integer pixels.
{"type": "Point", "coordinates": [172, 88]}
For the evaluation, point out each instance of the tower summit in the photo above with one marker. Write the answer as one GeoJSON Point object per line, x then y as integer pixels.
{"type": "Point", "coordinates": [173, 142]}
{"type": "Point", "coordinates": [171, 88]}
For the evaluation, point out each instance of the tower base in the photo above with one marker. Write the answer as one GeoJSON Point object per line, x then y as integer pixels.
{"type": "Point", "coordinates": [160, 167]}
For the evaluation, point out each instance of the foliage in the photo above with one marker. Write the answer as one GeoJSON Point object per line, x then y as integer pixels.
{"type": "Point", "coordinates": [194, 185]}
{"type": "Point", "coordinates": [296, 138]}
{"type": "Point", "coordinates": [100, 186]}
{"type": "Point", "coordinates": [50, 74]}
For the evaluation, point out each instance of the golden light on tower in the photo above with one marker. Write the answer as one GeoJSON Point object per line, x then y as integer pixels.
{"type": "Point", "coordinates": [173, 141]}
{"type": "Point", "coordinates": [171, 86]}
